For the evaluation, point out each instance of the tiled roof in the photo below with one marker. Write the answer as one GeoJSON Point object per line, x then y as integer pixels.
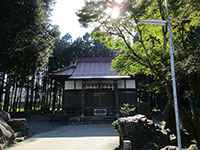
{"type": "Point", "coordinates": [93, 67]}
{"type": "Point", "coordinates": [66, 71]}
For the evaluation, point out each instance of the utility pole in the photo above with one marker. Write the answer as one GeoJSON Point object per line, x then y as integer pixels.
{"type": "Point", "coordinates": [173, 74]}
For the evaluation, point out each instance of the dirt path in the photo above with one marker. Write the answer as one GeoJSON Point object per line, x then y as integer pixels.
{"type": "Point", "coordinates": [73, 137]}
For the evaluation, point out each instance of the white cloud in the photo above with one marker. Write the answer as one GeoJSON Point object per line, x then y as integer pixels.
{"type": "Point", "coordinates": [64, 16]}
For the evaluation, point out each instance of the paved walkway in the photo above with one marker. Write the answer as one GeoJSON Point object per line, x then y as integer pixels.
{"type": "Point", "coordinates": [73, 137]}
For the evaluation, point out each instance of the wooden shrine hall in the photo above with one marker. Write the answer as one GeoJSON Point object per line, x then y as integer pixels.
{"type": "Point", "coordinates": [93, 88]}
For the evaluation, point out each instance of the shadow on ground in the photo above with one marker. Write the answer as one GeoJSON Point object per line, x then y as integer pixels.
{"type": "Point", "coordinates": [99, 130]}
{"type": "Point", "coordinates": [44, 127]}
{"type": "Point", "coordinates": [59, 135]}
{"type": "Point", "coordinates": [42, 124]}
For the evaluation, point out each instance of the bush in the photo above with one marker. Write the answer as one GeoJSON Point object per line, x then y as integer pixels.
{"type": "Point", "coordinates": [127, 110]}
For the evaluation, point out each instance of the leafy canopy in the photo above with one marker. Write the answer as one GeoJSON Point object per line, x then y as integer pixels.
{"type": "Point", "coordinates": [144, 48]}
{"type": "Point", "coordinates": [26, 37]}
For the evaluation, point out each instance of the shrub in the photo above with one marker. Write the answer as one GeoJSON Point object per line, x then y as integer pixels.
{"type": "Point", "coordinates": [127, 110]}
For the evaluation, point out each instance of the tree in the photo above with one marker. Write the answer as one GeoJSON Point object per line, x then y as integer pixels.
{"type": "Point", "coordinates": [144, 49]}
{"type": "Point", "coordinates": [26, 42]}
{"type": "Point", "coordinates": [141, 53]}
{"type": "Point", "coordinates": [67, 50]}
{"type": "Point", "coordinates": [61, 53]}
{"type": "Point", "coordinates": [26, 36]}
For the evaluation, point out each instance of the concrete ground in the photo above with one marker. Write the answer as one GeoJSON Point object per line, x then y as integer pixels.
{"type": "Point", "coordinates": [73, 137]}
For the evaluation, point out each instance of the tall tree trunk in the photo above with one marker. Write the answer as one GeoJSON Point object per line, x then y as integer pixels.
{"type": "Point", "coordinates": [60, 98]}
{"type": "Point", "coordinates": [15, 97]}
{"type": "Point", "coordinates": [55, 89]}
{"type": "Point", "coordinates": [18, 106]}
{"type": "Point", "coordinates": [196, 117]}
{"type": "Point", "coordinates": [1, 88]}
{"type": "Point", "coordinates": [63, 92]}
{"type": "Point", "coordinates": [168, 97]}
{"type": "Point", "coordinates": [44, 94]}
{"type": "Point", "coordinates": [50, 94]}
{"type": "Point", "coordinates": [12, 95]}
{"type": "Point", "coordinates": [7, 94]}
{"type": "Point", "coordinates": [32, 92]}
{"type": "Point", "coordinates": [27, 96]}
{"type": "Point", "coordinates": [36, 94]}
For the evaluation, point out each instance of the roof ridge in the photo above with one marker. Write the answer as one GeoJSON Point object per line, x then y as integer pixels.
{"type": "Point", "coordinates": [95, 59]}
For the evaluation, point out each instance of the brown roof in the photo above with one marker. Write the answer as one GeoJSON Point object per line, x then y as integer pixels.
{"type": "Point", "coordinates": [93, 67]}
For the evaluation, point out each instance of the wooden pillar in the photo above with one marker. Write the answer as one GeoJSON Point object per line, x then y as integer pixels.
{"type": "Point", "coordinates": [116, 98]}
{"type": "Point", "coordinates": [83, 99]}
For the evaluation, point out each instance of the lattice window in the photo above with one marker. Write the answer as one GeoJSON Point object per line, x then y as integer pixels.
{"type": "Point", "coordinates": [99, 84]}
{"type": "Point", "coordinates": [79, 84]}
{"type": "Point", "coordinates": [121, 84]}
{"type": "Point", "coordinates": [130, 84]}
{"type": "Point", "coordinates": [69, 85]}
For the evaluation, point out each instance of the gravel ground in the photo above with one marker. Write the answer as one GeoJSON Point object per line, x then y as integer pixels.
{"type": "Point", "coordinates": [70, 137]}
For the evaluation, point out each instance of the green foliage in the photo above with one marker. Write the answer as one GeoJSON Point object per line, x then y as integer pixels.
{"type": "Point", "coordinates": [127, 110]}
{"type": "Point", "coordinates": [140, 46]}
{"type": "Point", "coordinates": [144, 49]}
{"type": "Point", "coordinates": [115, 124]}
{"type": "Point", "coordinates": [67, 50]}
{"type": "Point", "coordinates": [26, 37]}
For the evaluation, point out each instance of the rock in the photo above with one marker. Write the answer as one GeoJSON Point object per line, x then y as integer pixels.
{"type": "Point", "coordinates": [5, 116]}
{"type": "Point", "coordinates": [19, 125]}
{"type": "Point", "coordinates": [9, 127]}
{"type": "Point", "coordinates": [142, 132]}
{"type": "Point", "coordinates": [193, 147]}
{"type": "Point", "coordinates": [170, 148]}
{"type": "Point", "coordinates": [7, 135]}
{"type": "Point", "coordinates": [136, 119]}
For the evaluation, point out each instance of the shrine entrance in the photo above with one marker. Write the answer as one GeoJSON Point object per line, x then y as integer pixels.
{"type": "Point", "coordinates": [92, 87]}
{"type": "Point", "coordinates": [99, 100]}
{"type": "Point", "coordinates": [89, 96]}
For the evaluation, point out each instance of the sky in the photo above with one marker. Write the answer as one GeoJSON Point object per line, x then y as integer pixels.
{"type": "Point", "coordinates": [64, 16]}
